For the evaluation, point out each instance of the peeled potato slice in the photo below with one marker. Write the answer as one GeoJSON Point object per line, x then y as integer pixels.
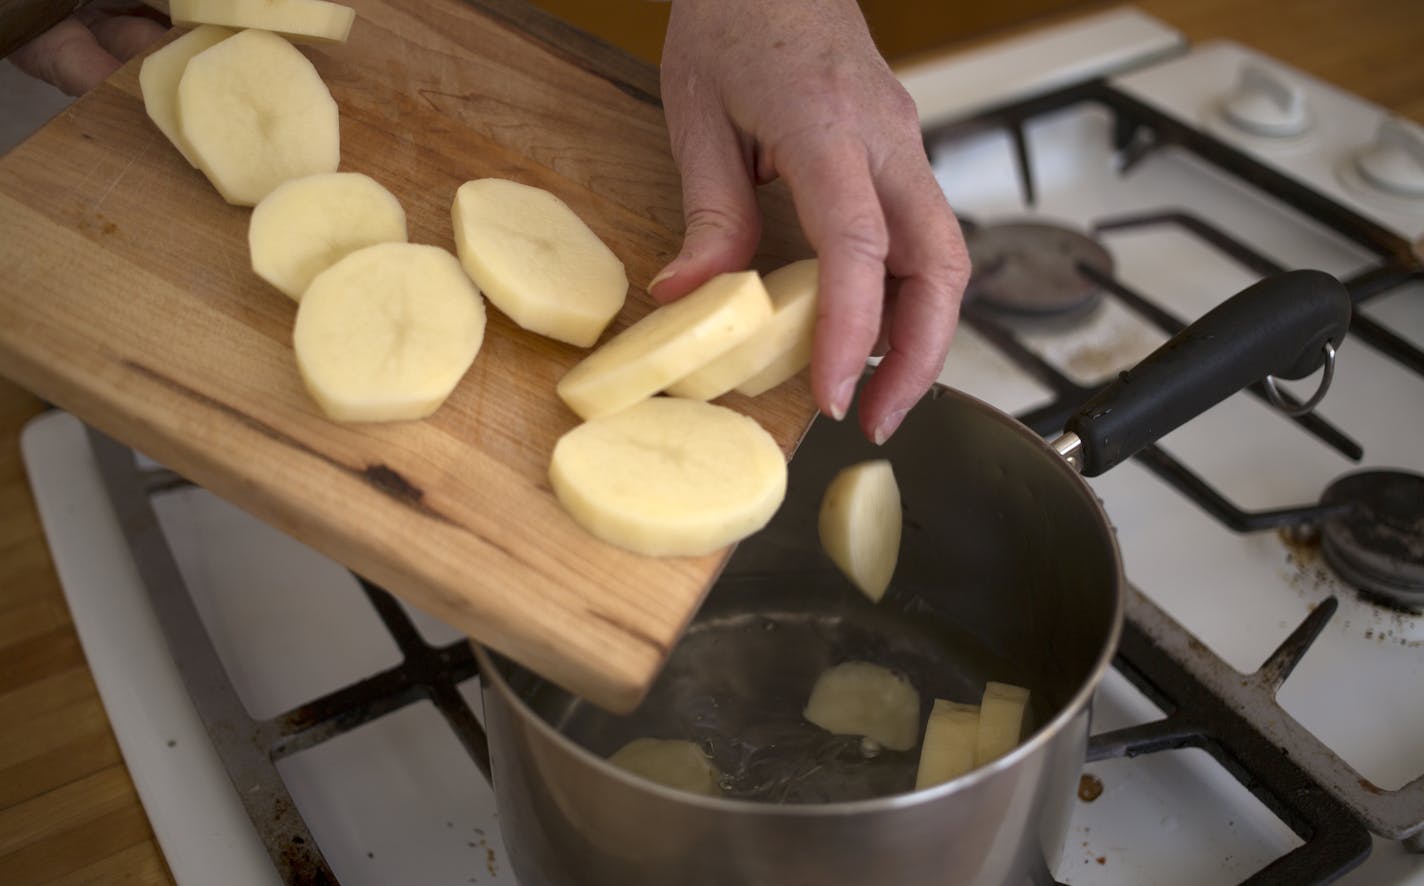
{"type": "Point", "coordinates": [667, 344]}
{"type": "Point", "coordinates": [386, 333]}
{"type": "Point", "coordinates": [671, 763]}
{"type": "Point", "coordinates": [669, 477]}
{"type": "Point", "coordinates": [784, 340]}
{"type": "Point", "coordinates": [308, 224]}
{"type": "Point", "coordinates": [860, 698]}
{"type": "Point", "coordinates": [948, 748]}
{"type": "Point", "coordinates": [860, 525]}
{"type": "Point", "coordinates": [1001, 719]}
{"type": "Point", "coordinates": [256, 114]}
{"type": "Point", "coordinates": [159, 75]}
{"type": "Point", "coordinates": [537, 261]}
{"type": "Point", "coordinates": [305, 21]}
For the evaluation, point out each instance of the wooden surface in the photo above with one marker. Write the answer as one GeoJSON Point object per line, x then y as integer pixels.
{"type": "Point", "coordinates": [128, 300]}
{"type": "Point", "coordinates": [68, 813]}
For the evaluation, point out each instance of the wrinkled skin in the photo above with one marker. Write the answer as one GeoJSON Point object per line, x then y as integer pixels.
{"type": "Point", "coordinates": [81, 52]}
{"type": "Point", "coordinates": [796, 89]}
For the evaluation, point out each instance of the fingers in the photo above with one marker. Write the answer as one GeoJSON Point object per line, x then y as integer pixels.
{"type": "Point", "coordinates": [67, 57]}
{"type": "Point", "coordinates": [931, 264]}
{"type": "Point", "coordinates": [125, 36]}
{"type": "Point", "coordinates": [718, 195]}
{"type": "Point", "coordinates": [842, 218]}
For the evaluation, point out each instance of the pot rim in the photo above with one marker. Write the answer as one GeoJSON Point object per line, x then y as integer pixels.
{"type": "Point", "coordinates": [490, 675]}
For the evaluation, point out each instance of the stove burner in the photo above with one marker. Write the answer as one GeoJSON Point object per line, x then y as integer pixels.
{"type": "Point", "coordinates": [1029, 271]}
{"type": "Point", "coordinates": [1378, 545]}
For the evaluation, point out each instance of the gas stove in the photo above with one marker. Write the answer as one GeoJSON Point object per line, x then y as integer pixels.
{"type": "Point", "coordinates": [1265, 714]}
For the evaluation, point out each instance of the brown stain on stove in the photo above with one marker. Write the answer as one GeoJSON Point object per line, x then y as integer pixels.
{"type": "Point", "coordinates": [1103, 362]}
{"type": "Point", "coordinates": [1309, 576]}
{"type": "Point", "coordinates": [1090, 787]}
{"type": "Point", "coordinates": [1371, 787]}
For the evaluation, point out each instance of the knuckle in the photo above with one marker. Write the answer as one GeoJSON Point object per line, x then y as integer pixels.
{"type": "Point", "coordinates": [863, 235]}
{"type": "Point", "coordinates": [717, 218]}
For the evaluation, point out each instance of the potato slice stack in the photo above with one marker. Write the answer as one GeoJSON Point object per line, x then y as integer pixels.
{"type": "Point", "coordinates": [385, 329]}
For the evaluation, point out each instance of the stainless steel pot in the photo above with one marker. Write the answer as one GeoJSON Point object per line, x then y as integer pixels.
{"type": "Point", "coordinates": [1009, 570]}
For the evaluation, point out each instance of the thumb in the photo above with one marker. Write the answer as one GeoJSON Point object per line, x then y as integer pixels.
{"type": "Point", "coordinates": [66, 57]}
{"type": "Point", "coordinates": [723, 221]}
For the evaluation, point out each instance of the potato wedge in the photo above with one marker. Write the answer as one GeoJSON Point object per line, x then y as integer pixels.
{"type": "Point", "coordinates": [669, 762]}
{"type": "Point", "coordinates": [387, 332]}
{"type": "Point", "coordinates": [158, 78]}
{"type": "Point", "coordinates": [308, 224]}
{"type": "Point", "coordinates": [302, 21]}
{"type": "Point", "coordinates": [537, 261]}
{"type": "Point", "coordinates": [255, 114]}
{"type": "Point", "coordinates": [861, 698]}
{"type": "Point", "coordinates": [1001, 720]}
{"type": "Point", "coordinates": [669, 477]}
{"type": "Point", "coordinates": [782, 343]}
{"type": "Point", "coordinates": [667, 344]}
{"type": "Point", "coordinates": [947, 750]}
{"type": "Point", "coordinates": [860, 524]}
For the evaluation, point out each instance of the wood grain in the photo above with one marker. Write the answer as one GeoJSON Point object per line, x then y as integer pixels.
{"type": "Point", "coordinates": [1356, 45]}
{"type": "Point", "coordinates": [130, 303]}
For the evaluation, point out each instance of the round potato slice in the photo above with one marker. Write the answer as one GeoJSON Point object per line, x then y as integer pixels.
{"type": "Point", "coordinates": [667, 344]}
{"type": "Point", "coordinates": [537, 261]}
{"type": "Point", "coordinates": [387, 332]}
{"type": "Point", "coordinates": [159, 75]}
{"type": "Point", "coordinates": [669, 762]}
{"type": "Point", "coordinates": [861, 698]}
{"type": "Point", "coordinates": [308, 224]}
{"type": "Point", "coordinates": [255, 113]}
{"type": "Point", "coordinates": [305, 21]}
{"type": "Point", "coordinates": [860, 524]}
{"type": "Point", "coordinates": [669, 477]}
{"type": "Point", "coordinates": [776, 351]}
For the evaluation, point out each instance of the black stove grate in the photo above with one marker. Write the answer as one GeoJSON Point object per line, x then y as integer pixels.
{"type": "Point", "coordinates": [1334, 840]}
{"type": "Point", "coordinates": [1139, 130]}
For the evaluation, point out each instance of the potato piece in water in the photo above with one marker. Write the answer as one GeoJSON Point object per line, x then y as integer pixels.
{"type": "Point", "coordinates": [670, 762]}
{"type": "Point", "coordinates": [386, 333]}
{"type": "Point", "coordinates": [255, 113]}
{"type": "Point", "coordinates": [860, 525]}
{"type": "Point", "coordinates": [309, 224]}
{"type": "Point", "coordinates": [861, 698]}
{"type": "Point", "coordinates": [536, 260]}
{"type": "Point", "coordinates": [775, 352]}
{"type": "Point", "coordinates": [667, 344]}
{"type": "Point", "coordinates": [948, 748]}
{"type": "Point", "coordinates": [669, 477]}
{"type": "Point", "coordinates": [1001, 719]}
{"type": "Point", "coordinates": [304, 21]}
{"type": "Point", "coordinates": [159, 75]}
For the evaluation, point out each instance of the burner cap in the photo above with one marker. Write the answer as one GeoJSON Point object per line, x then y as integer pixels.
{"type": "Point", "coordinates": [1378, 545]}
{"type": "Point", "coordinates": [1029, 271]}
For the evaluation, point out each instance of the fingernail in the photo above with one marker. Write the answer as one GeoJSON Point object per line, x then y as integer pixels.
{"type": "Point", "coordinates": [888, 426]}
{"type": "Point", "coordinates": [672, 268]}
{"type": "Point", "coordinates": [840, 403]}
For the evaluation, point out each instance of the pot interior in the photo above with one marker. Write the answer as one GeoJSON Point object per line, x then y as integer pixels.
{"type": "Point", "coordinates": [1007, 572]}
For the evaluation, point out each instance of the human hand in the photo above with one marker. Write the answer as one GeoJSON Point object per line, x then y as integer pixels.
{"type": "Point", "coordinates": [81, 52]}
{"type": "Point", "coordinates": [796, 89]}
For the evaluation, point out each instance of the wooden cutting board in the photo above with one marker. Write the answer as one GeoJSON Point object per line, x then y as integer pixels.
{"type": "Point", "coordinates": [126, 297]}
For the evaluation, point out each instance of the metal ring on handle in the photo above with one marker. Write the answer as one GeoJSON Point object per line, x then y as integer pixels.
{"type": "Point", "coordinates": [1294, 412]}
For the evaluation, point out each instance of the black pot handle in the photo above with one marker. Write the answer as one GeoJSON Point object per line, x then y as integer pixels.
{"type": "Point", "coordinates": [1278, 327]}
